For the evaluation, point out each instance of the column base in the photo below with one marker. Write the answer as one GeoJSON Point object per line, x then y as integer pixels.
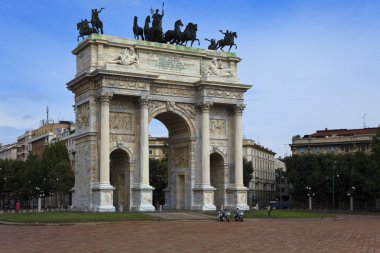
{"type": "Point", "coordinates": [103, 198]}
{"type": "Point", "coordinates": [143, 198]}
{"type": "Point", "coordinates": [204, 198]}
{"type": "Point", "coordinates": [237, 197]}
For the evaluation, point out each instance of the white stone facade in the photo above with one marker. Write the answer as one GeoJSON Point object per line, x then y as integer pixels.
{"type": "Point", "coordinates": [120, 86]}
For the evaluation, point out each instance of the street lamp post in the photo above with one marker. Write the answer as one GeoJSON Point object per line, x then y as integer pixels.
{"type": "Point", "coordinates": [333, 185]}
{"type": "Point", "coordinates": [310, 195]}
{"type": "Point", "coordinates": [351, 195]}
{"type": "Point", "coordinates": [280, 178]}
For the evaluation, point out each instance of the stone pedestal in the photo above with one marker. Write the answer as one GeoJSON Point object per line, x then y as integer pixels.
{"type": "Point", "coordinates": [103, 198]}
{"type": "Point", "coordinates": [237, 198]}
{"type": "Point", "coordinates": [142, 198]}
{"type": "Point", "coordinates": [204, 198]}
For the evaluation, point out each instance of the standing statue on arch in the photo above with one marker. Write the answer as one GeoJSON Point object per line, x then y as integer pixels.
{"type": "Point", "coordinates": [95, 21]}
{"type": "Point", "coordinates": [156, 30]}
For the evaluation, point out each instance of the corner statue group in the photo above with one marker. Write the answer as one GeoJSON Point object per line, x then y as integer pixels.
{"type": "Point", "coordinates": [96, 25]}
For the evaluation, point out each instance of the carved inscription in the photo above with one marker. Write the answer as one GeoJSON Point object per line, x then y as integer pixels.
{"type": "Point", "coordinates": [170, 63]}
{"type": "Point", "coordinates": [218, 127]}
{"type": "Point", "coordinates": [83, 115]}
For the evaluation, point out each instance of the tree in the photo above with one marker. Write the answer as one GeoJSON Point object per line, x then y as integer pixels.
{"type": "Point", "coordinates": [247, 172]}
{"type": "Point", "coordinates": [376, 148]}
{"type": "Point", "coordinates": [57, 168]}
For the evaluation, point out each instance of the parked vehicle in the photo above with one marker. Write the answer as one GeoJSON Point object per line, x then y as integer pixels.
{"type": "Point", "coordinates": [224, 215]}
{"type": "Point", "coordinates": [239, 215]}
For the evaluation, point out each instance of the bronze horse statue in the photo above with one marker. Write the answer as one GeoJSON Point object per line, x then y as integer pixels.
{"type": "Point", "coordinates": [190, 34]}
{"type": "Point", "coordinates": [227, 41]}
{"type": "Point", "coordinates": [147, 28]}
{"type": "Point", "coordinates": [84, 29]}
{"type": "Point", "coordinates": [137, 31]}
{"type": "Point", "coordinates": [174, 36]}
{"type": "Point", "coordinates": [95, 21]}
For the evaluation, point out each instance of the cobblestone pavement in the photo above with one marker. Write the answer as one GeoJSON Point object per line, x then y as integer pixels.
{"type": "Point", "coordinates": [350, 234]}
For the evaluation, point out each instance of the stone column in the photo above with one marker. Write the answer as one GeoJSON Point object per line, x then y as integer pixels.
{"type": "Point", "coordinates": [103, 190]}
{"type": "Point", "coordinates": [104, 100]}
{"type": "Point", "coordinates": [203, 191]}
{"type": "Point", "coordinates": [142, 191]}
{"type": "Point", "coordinates": [238, 155]}
{"type": "Point", "coordinates": [237, 193]}
{"type": "Point", "coordinates": [205, 142]}
{"type": "Point", "coordinates": [144, 142]}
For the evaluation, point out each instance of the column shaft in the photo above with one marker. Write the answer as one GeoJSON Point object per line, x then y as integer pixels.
{"type": "Point", "coordinates": [144, 142]}
{"type": "Point", "coordinates": [238, 155]}
{"type": "Point", "coordinates": [205, 141]}
{"type": "Point", "coordinates": [104, 177]}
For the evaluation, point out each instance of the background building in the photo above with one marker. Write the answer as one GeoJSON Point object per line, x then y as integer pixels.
{"type": "Point", "coordinates": [8, 152]}
{"type": "Point", "coordinates": [23, 147]}
{"type": "Point", "coordinates": [262, 188]}
{"type": "Point", "coordinates": [44, 135]}
{"type": "Point", "coordinates": [156, 147]}
{"type": "Point", "coordinates": [334, 141]}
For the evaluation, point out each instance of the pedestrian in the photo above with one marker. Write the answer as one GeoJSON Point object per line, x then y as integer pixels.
{"type": "Point", "coordinates": [17, 206]}
{"type": "Point", "coordinates": [269, 208]}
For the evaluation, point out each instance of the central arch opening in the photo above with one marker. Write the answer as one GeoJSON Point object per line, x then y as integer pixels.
{"type": "Point", "coordinates": [172, 187]}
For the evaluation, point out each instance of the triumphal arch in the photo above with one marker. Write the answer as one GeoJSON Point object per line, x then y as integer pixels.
{"type": "Point", "coordinates": [120, 86]}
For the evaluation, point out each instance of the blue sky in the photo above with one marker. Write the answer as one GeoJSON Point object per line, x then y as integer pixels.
{"type": "Point", "coordinates": [313, 64]}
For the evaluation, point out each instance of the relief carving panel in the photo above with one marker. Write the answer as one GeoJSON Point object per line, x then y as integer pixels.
{"type": "Point", "coordinates": [83, 114]}
{"type": "Point", "coordinates": [217, 128]}
{"type": "Point", "coordinates": [181, 157]}
{"type": "Point", "coordinates": [127, 84]}
{"type": "Point", "coordinates": [173, 91]}
{"type": "Point", "coordinates": [121, 121]}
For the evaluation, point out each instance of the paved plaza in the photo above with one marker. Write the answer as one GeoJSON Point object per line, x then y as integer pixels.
{"type": "Point", "coordinates": [347, 234]}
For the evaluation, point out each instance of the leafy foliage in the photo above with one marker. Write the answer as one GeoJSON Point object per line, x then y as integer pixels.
{"type": "Point", "coordinates": [345, 171]}
{"type": "Point", "coordinates": [158, 178]}
{"type": "Point", "coordinates": [34, 177]}
{"type": "Point", "coordinates": [247, 172]}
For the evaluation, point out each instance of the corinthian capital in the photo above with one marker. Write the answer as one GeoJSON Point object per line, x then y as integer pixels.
{"type": "Point", "coordinates": [144, 101]}
{"type": "Point", "coordinates": [104, 97]}
{"type": "Point", "coordinates": [239, 108]}
{"type": "Point", "coordinates": [205, 106]}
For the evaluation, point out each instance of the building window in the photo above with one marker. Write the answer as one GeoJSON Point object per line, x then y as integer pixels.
{"type": "Point", "coordinates": [150, 152]}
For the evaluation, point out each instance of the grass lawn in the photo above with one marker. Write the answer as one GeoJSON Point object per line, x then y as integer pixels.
{"type": "Point", "coordinates": [286, 214]}
{"type": "Point", "coordinates": [68, 217]}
